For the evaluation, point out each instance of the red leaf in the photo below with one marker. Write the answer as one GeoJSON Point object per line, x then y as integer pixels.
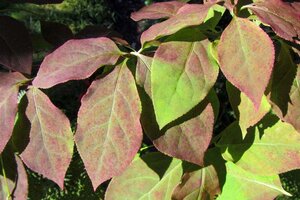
{"type": "Point", "coordinates": [109, 133]}
{"type": "Point", "coordinates": [246, 56]}
{"type": "Point", "coordinates": [50, 149]}
{"type": "Point", "coordinates": [8, 104]}
{"type": "Point", "coordinates": [21, 190]}
{"type": "Point", "coordinates": [15, 45]}
{"type": "Point", "coordinates": [75, 60]}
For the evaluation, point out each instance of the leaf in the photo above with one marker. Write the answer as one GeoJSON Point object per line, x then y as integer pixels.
{"type": "Point", "coordinates": [6, 188]}
{"type": "Point", "coordinates": [241, 184]}
{"type": "Point", "coordinates": [282, 16]}
{"type": "Point", "coordinates": [201, 184]}
{"type": "Point", "coordinates": [109, 133]}
{"type": "Point", "coordinates": [182, 75]}
{"type": "Point", "coordinates": [152, 177]}
{"type": "Point", "coordinates": [244, 108]}
{"type": "Point", "coordinates": [21, 190]}
{"type": "Point", "coordinates": [50, 149]}
{"type": "Point", "coordinates": [272, 147]}
{"type": "Point", "coordinates": [253, 54]}
{"type": "Point", "coordinates": [9, 89]}
{"type": "Point", "coordinates": [75, 60]}
{"type": "Point", "coordinates": [158, 10]}
{"type": "Point", "coordinates": [36, 1]}
{"type": "Point", "coordinates": [15, 45]}
{"type": "Point", "coordinates": [56, 33]}
{"type": "Point", "coordinates": [187, 15]}
{"type": "Point", "coordinates": [143, 72]}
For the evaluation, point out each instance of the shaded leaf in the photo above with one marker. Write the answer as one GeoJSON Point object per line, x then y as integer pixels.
{"type": "Point", "coordinates": [15, 45]}
{"type": "Point", "coordinates": [21, 190]}
{"type": "Point", "coordinates": [253, 54]}
{"type": "Point", "coordinates": [201, 184]}
{"type": "Point", "coordinates": [9, 89]}
{"type": "Point", "coordinates": [182, 73]}
{"type": "Point", "coordinates": [36, 1]}
{"type": "Point", "coordinates": [153, 177]}
{"type": "Point", "coordinates": [158, 10]}
{"type": "Point", "coordinates": [75, 60]}
{"type": "Point", "coordinates": [109, 133]}
{"type": "Point", "coordinates": [241, 184]}
{"type": "Point", "coordinates": [50, 149]}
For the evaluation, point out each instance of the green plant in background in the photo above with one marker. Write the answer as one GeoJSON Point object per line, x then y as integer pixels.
{"type": "Point", "coordinates": [163, 94]}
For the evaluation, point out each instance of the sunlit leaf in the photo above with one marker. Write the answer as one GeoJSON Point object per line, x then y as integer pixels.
{"type": "Point", "coordinates": [9, 90]}
{"type": "Point", "coordinates": [15, 45]}
{"type": "Point", "coordinates": [75, 60]}
{"type": "Point", "coordinates": [182, 73]}
{"type": "Point", "coordinates": [50, 149]}
{"type": "Point", "coordinates": [246, 56]}
{"type": "Point", "coordinates": [21, 190]}
{"type": "Point", "coordinates": [152, 177]}
{"type": "Point", "coordinates": [241, 184]}
{"type": "Point", "coordinates": [143, 72]}
{"type": "Point", "coordinates": [109, 133]}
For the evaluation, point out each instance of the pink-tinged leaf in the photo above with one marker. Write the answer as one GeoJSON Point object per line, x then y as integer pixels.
{"type": "Point", "coordinates": [75, 60]}
{"type": "Point", "coordinates": [56, 33]}
{"type": "Point", "coordinates": [6, 188]}
{"type": "Point", "coordinates": [182, 74]}
{"type": "Point", "coordinates": [50, 149]}
{"type": "Point", "coordinates": [188, 15]}
{"type": "Point", "coordinates": [109, 133]}
{"type": "Point", "coordinates": [152, 177]}
{"type": "Point", "coordinates": [9, 90]}
{"type": "Point", "coordinates": [282, 16]}
{"type": "Point", "coordinates": [190, 139]}
{"type": "Point", "coordinates": [143, 72]}
{"type": "Point", "coordinates": [157, 10]}
{"type": "Point", "coordinates": [15, 45]}
{"type": "Point", "coordinates": [21, 190]}
{"type": "Point", "coordinates": [246, 56]}
{"type": "Point", "coordinates": [201, 184]}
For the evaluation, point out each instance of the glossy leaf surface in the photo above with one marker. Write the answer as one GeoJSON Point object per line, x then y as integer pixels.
{"type": "Point", "coordinates": [182, 73]}
{"type": "Point", "coordinates": [9, 90]}
{"type": "Point", "coordinates": [253, 54]}
{"type": "Point", "coordinates": [109, 133]}
{"type": "Point", "coordinates": [21, 190]}
{"type": "Point", "coordinates": [241, 184]}
{"type": "Point", "coordinates": [75, 60]}
{"type": "Point", "coordinates": [15, 45]}
{"type": "Point", "coordinates": [152, 177]}
{"type": "Point", "coordinates": [50, 149]}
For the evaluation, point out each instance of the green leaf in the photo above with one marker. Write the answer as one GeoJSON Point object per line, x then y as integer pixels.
{"type": "Point", "coordinates": [241, 184]}
{"type": "Point", "coordinates": [109, 133]}
{"type": "Point", "coordinates": [143, 72]}
{"type": "Point", "coordinates": [50, 149]}
{"type": "Point", "coordinates": [152, 177]}
{"type": "Point", "coordinates": [182, 73]}
{"type": "Point", "coordinates": [246, 56]}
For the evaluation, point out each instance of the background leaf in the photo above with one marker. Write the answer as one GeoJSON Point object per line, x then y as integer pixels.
{"type": "Point", "coordinates": [21, 190]}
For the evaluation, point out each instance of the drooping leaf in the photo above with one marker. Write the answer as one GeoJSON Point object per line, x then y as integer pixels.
{"type": "Point", "coordinates": [272, 147]}
{"type": "Point", "coordinates": [143, 72]}
{"type": "Point", "coordinates": [75, 60]}
{"type": "Point", "coordinates": [21, 190]}
{"type": "Point", "coordinates": [50, 149]}
{"type": "Point", "coordinates": [282, 16]}
{"type": "Point", "coordinates": [241, 184]}
{"type": "Point", "coordinates": [201, 184]}
{"type": "Point", "coordinates": [158, 10]}
{"type": "Point", "coordinates": [244, 108]}
{"type": "Point", "coordinates": [187, 15]}
{"type": "Point", "coordinates": [182, 73]}
{"type": "Point", "coordinates": [253, 54]}
{"type": "Point", "coordinates": [9, 90]}
{"type": "Point", "coordinates": [6, 188]}
{"type": "Point", "coordinates": [109, 133]}
{"type": "Point", "coordinates": [153, 177]}
{"type": "Point", "coordinates": [15, 45]}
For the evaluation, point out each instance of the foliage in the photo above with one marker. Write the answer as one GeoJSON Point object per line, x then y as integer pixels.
{"type": "Point", "coordinates": [163, 93]}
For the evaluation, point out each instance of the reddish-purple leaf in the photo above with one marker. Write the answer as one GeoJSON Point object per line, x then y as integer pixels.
{"type": "Point", "coordinates": [75, 60]}
{"type": "Point", "coordinates": [15, 45]}
{"type": "Point", "coordinates": [246, 56]}
{"type": "Point", "coordinates": [9, 89]}
{"type": "Point", "coordinates": [50, 149]}
{"type": "Point", "coordinates": [282, 16]}
{"type": "Point", "coordinates": [109, 133]}
{"type": "Point", "coordinates": [21, 190]}
{"type": "Point", "coordinates": [158, 10]}
{"type": "Point", "coordinates": [188, 15]}
{"type": "Point", "coordinates": [56, 33]}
